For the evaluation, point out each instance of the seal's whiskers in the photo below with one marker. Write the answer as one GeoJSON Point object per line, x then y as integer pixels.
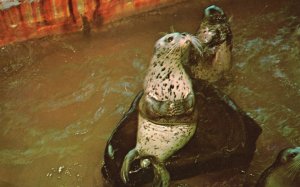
{"type": "Point", "coordinates": [172, 49]}
{"type": "Point", "coordinates": [293, 170]}
{"type": "Point", "coordinates": [196, 44]}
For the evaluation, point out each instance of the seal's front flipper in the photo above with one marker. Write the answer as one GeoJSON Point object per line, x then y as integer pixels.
{"type": "Point", "coordinates": [129, 158]}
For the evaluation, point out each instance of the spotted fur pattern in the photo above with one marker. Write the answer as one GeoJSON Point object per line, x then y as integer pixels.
{"type": "Point", "coordinates": [166, 80]}
{"type": "Point", "coordinates": [167, 119]}
{"type": "Point", "coordinates": [162, 141]}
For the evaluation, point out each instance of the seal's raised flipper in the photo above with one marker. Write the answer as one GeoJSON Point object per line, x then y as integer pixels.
{"type": "Point", "coordinates": [212, 10]}
{"type": "Point", "coordinates": [129, 158]}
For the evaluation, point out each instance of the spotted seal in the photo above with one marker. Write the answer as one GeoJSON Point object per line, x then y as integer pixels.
{"type": "Point", "coordinates": [216, 37]}
{"type": "Point", "coordinates": [284, 172]}
{"type": "Point", "coordinates": [167, 116]}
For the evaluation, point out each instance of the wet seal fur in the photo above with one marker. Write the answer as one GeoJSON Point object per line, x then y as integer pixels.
{"type": "Point", "coordinates": [215, 35]}
{"type": "Point", "coordinates": [284, 172]}
{"type": "Point", "coordinates": [167, 116]}
{"type": "Point", "coordinates": [226, 138]}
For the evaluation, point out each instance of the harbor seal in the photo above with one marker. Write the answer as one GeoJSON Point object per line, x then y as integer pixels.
{"type": "Point", "coordinates": [167, 116]}
{"type": "Point", "coordinates": [284, 172]}
{"type": "Point", "coordinates": [215, 35]}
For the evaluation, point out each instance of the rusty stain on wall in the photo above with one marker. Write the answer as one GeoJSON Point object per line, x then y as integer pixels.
{"type": "Point", "coordinates": [25, 19]}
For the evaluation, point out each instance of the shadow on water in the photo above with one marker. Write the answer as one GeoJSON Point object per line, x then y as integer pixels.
{"type": "Point", "coordinates": [62, 96]}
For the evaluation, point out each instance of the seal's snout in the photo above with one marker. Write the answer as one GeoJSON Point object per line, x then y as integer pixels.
{"type": "Point", "coordinates": [190, 39]}
{"type": "Point", "coordinates": [187, 37]}
{"type": "Point", "coordinates": [184, 39]}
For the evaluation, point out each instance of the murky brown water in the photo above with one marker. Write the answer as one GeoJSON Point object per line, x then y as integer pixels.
{"type": "Point", "coordinates": [62, 96]}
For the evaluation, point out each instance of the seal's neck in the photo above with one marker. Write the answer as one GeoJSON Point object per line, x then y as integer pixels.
{"type": "Point", "coordinates": [169, 59]}
{"type": "Point", "coordinates": [167, 80]}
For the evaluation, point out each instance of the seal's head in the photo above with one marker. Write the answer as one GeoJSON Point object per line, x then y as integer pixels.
{"type": "Point", "coordinates": [215, 28]}
{"type": "Point", "coordinates": [168, 88]}
{"type": "Point", "coordinates": [175, 44]}
{"type": "Point", "coordinates": [284, 172]}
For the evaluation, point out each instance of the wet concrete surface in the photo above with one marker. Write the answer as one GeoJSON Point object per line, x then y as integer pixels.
{"type": "Point", "coordinates": [61, 96]}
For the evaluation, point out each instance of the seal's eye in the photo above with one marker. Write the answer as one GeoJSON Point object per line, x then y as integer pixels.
{"type": "Point", "coordinates": [170, 39]}
{"type": "Point", "coordinates": [183, 34]}
{"type": "Point", "coordinates": [292, 155]}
